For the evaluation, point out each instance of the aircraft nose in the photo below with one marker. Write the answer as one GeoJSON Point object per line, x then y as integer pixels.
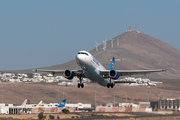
{"type": "Point", "coordinates": [78, 58]}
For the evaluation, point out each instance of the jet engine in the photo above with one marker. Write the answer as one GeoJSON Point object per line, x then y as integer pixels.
{"type": "Point", "coordinates": [68, 74]}
{"type": "Point", "coordinates": [113, 74]}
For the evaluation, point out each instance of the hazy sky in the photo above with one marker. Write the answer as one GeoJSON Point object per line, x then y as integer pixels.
{"type": "Point", "coordinates": [40, 33]}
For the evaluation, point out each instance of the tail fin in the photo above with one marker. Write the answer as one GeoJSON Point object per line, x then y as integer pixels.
{"type": "Point", "coordinates": [40, 103]}
{"type": "Point", "coordinates": [112, 64]}
{"type": "Point", "coordinates": [24, 103]}
{"type": "Point", "coordinates": [62, 104]}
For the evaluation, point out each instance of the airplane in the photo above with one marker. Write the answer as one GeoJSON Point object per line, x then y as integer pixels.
{"type": "Point", "coordinates": [23, 104]}
{"type": "Point", "coordinates": [39, 105]}
{"type": "Point", "coordinates": [93, 70]}
{"type": "Point", "coordinates": [62, 104]}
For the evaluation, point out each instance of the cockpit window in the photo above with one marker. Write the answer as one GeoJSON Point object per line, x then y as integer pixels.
{"type": "Point", "coordinates": [83, 53]}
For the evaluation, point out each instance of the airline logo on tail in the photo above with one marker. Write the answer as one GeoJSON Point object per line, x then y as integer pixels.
{"type": "Point", "coordinates": [24, 103]}
{"type": "Point", "coordinates": [62, 104]}
{"type": "Point", "coordinates": [112, 64]}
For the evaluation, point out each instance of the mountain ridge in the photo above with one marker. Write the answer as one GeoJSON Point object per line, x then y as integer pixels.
{"type": "Point", "coordinates": [135, 51]}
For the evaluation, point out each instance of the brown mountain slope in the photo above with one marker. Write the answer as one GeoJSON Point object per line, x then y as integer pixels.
{"type": "Point", "coordinates": [136, 51]}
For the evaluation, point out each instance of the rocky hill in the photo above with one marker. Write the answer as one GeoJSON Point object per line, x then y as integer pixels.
{"type": "Point", "coordinates": [136, 51]}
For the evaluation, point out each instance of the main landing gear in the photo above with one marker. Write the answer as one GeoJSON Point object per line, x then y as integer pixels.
{"type": "Point", "coordinates": [110, 84]}
{"type": "Point", "coordinates": [80, 84]}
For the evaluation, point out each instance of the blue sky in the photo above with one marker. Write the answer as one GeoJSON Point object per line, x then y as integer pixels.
{"type": "Point", "coordinates": [40, 33]}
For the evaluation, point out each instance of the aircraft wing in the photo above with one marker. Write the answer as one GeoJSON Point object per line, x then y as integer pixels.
{"type": "Point", "coordinates": [105, 73]}
{"type": "Point", "coordinates": [61, 72]}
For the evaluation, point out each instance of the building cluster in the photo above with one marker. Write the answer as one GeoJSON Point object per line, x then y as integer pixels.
{"type": "Point", "coordinates": [133, 30]}
{"type": "Point", "coordinates": [126, 107]}
{"type": "Point", "coordinates": [169, 104]}
{"type": "Point", "coordinates": [34, 77]}
{"type": "Point", "coordinates": [45, 108]}
{"type": "Point", "coordinates": [162, 104]}
{"type": "Point", "coordinates": [140, 81]}
{"type": "Point", "coordinates": [49, 78]}
{"type": "Point", "coordinates": [37, 77]}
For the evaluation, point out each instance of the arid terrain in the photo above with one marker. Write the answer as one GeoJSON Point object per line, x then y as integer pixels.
{"type": "Point", "coordinates": [63, 116]}
{"type": "Point", "coordinates": [52, 93]}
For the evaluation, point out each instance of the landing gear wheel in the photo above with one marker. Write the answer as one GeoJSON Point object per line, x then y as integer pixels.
{"type": "Point", "coordinates": [108, 85]}
{"type": "Point", "coordinates": [112, 85]}
{"type": "Point", "coordinates": [79, 85]}
{"type": "Point", "coordinates": [82, 85]}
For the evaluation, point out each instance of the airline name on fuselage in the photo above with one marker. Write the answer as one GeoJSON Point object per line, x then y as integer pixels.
{"type": "Point", "coordinates": [94, 59]}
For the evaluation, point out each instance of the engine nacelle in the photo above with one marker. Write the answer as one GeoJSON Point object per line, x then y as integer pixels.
{"type": "Point", "coordinates": [113, 74]}
{"type": "Point", "coordinates": [68, 74]}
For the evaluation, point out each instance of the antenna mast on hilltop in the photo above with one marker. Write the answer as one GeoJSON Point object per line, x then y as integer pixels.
{"type": "Point", "coordinates": [96, 45]}
{"type": "Point", "coordinates": [104, 44]}
{"type": "Point", "coordinates": [112, 42]}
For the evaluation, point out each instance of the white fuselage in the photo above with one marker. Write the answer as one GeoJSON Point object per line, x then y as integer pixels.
{"type": "Point", "coordinates": [91, 67]}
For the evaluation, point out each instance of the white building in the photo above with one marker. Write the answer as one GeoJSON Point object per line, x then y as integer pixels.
{"type": "Point", "coordinates": [37, 75]}
{"type": "Point", "coordinates": [65, 84]}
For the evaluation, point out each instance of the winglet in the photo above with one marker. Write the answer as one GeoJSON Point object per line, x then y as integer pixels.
{"type": "Point", "coordinates": [62, 104]}
{"type": "Point", "coordinates": [112, 64]}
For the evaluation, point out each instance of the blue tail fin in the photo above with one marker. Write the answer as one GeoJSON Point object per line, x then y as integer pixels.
{"type": "Point", "coordinates": [112, 64]}
{"type": "Point", "coordinates": [62, 104]}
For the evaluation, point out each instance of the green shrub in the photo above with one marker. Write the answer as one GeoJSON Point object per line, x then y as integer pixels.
{"type": "Point", "coordinates": [65, 111]}
{"type": "Point", "coordinates": [41, 116]}
{"type": "Point", "coordinates": [51, 117]}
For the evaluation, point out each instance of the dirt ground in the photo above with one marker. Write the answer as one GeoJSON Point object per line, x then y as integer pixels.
{"type": "Point", "coordinates": [16, 93]}
{"type": "Point", "coordinates": [61, 115]}
{"type": "Point", "coordinates": [79, 115]}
